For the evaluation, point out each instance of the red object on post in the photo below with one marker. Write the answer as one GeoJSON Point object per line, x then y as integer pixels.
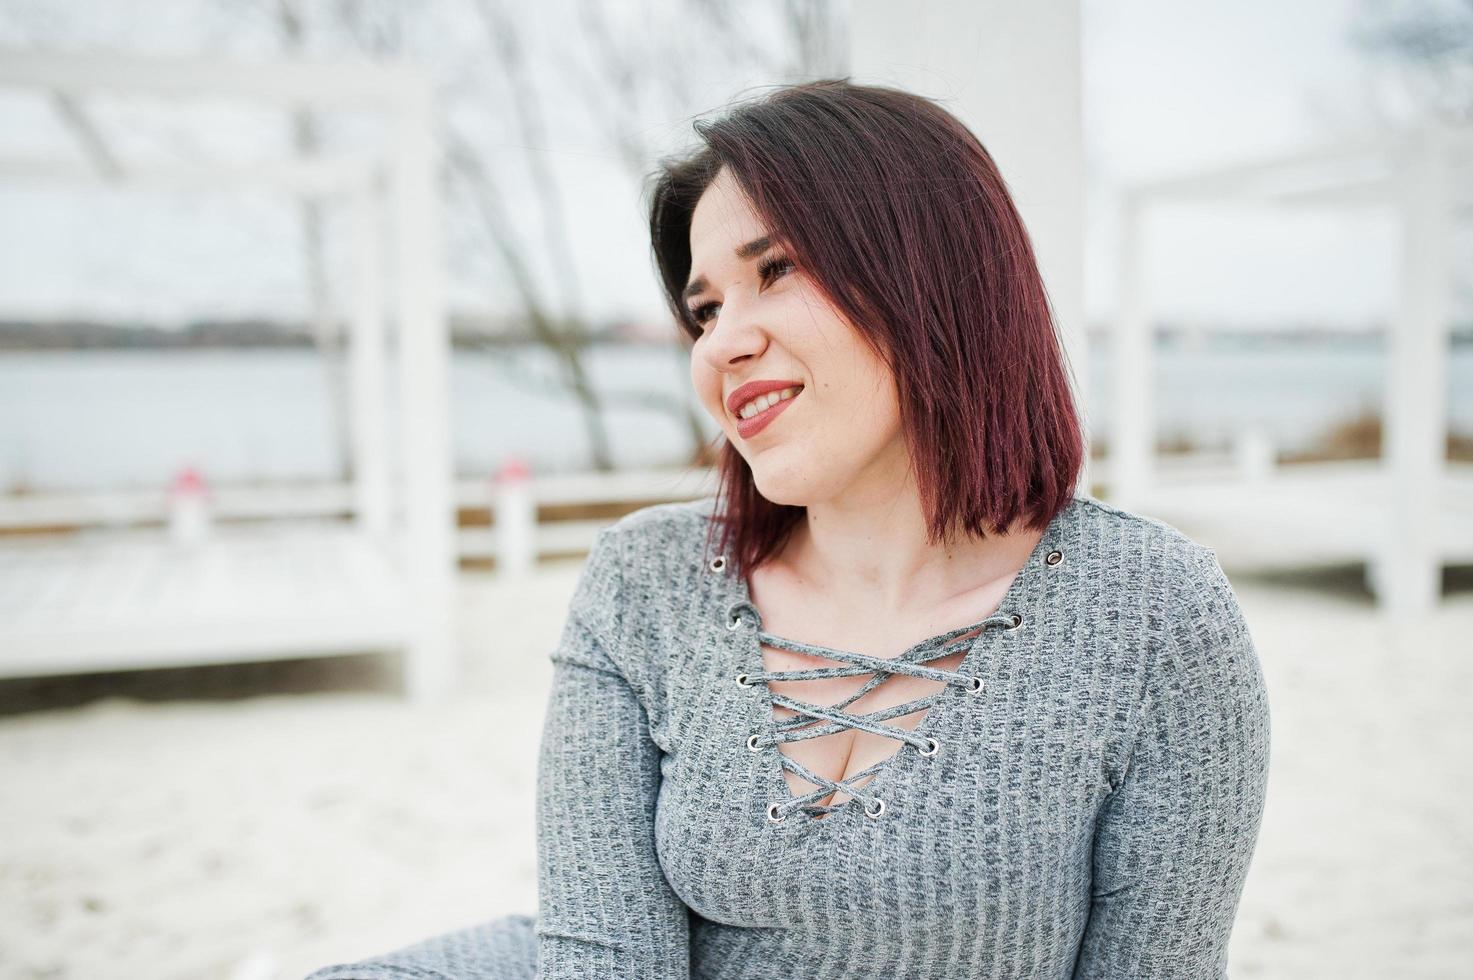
{"type": "Point", "coordinates": [514, 470]}
{"type": "Point", "coordinates": [189, 516]}
{"type": "Point", "coordinates": [188, 482]}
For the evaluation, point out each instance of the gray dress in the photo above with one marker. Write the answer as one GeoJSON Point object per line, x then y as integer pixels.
{"type": "Point", "coordinates": [1081, 800]}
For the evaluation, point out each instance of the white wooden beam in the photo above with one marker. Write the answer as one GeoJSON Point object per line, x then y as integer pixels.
{"type": "Point", "coordinates": [1264, 178]}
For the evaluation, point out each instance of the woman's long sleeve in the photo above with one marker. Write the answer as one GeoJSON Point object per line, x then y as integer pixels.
{"type": "Point", "coordinates": [605, 908]}
{"type": "Point", "coordinates": [1174, 840]}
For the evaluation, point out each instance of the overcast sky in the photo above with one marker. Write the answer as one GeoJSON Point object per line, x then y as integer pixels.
{"type": "Point", "coordinates": [1169, 87]}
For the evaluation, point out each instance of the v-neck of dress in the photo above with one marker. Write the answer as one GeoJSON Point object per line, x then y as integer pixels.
{"type": "Point", "coordinates": [1015, 601]}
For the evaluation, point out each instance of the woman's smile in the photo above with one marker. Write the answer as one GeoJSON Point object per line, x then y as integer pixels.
{"type": "Point", "coordinates": [758, 413]}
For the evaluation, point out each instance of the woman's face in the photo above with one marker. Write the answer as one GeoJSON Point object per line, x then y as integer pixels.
{"type": "Point", "coordinates": [841, 433]}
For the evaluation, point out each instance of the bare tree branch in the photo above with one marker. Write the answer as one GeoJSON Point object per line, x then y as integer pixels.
{"type": "Point", "coordinates": [94, 145]}
{"type": "Point", "coordinates": [1432, 46]}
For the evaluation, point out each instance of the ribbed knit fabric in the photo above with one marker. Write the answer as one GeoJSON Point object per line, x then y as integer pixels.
{"type": "Point", "coordinates": [1091, 813]}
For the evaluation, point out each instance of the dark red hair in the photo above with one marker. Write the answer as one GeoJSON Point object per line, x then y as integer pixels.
{"type": "Point", "coordinates": [898, 215]}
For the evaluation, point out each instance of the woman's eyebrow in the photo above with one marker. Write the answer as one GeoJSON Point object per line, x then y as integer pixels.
{"type": "Point", "coordinates": [750, 250]}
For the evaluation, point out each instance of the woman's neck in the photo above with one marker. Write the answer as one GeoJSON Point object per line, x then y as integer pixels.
{"type": "Point", "coordinates": [880, 560]}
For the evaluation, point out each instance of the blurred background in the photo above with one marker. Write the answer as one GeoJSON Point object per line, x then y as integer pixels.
{"type": "Point", "coordinates": [329, 339]}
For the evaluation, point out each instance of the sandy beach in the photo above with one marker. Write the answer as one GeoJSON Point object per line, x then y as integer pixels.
{"type": "Point", "coordinates": [254, 822]}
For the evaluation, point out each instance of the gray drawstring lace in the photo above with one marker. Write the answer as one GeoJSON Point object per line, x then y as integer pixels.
{"type": "Point", "coordinates": [911, 663]}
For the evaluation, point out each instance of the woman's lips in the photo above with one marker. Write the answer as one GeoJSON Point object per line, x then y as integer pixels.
{"type": "Point", "coordinates": [747, 428]}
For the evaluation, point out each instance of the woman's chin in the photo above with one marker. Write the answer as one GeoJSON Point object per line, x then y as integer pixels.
{"type": "Point", "coordinates": [781, 484]}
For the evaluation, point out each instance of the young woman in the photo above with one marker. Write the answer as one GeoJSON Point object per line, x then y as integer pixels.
{"type": "Point", "coordinates": [900, 701]}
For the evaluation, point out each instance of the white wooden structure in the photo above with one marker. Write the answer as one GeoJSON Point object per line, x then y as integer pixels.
{"type": "Point", "coordinates": [384, 580]}
{"type": "Point", "coordinates": [1406, 515]}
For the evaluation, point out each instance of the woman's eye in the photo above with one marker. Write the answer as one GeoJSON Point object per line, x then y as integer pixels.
{"type": "Point", "coordinates": [703, 313]}
{"type": "Point", "coordinates": [769, 270]}
{"type": "Point", "coordinates": [772, 268]}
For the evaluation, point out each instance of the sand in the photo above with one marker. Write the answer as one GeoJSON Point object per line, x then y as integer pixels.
{"type": "Point", "coordinates": [162, 825]}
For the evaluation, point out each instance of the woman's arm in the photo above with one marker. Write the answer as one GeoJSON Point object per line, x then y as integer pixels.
{"type": "Point", "coordinates": [1174, 840]}
{"type": "Point", "coordinates": [605, 908]}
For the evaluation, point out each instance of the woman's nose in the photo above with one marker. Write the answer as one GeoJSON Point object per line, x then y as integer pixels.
{"type": "Point", "coordinates": [733, 333]}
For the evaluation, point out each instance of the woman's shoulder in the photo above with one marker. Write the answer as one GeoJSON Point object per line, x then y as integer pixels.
{"type": "Point", "coordinates": [1181, 588]}
{"type": "Point", "coordinates": [1132, 528]}
{"type": "Point", "coordinates": [662, 545]}
{"type": "Point", "coordinates": [656, 527]}
{"type": "Point", "coordinates": [1130, 548]}
{"type": "Point", "coordinates": [1131, 568]}
{"type": "Point", "coordinates": [645, 566]}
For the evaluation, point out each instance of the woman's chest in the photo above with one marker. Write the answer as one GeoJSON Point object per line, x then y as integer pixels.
{"type": "Point", "coordinates": [842, 705]}
{"type": "Point", "coordinates": [1004, 805]}
{"type": "Point", "coordinates": [841, 730]}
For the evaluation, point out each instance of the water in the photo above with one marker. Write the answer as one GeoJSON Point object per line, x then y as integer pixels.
{"type": "Point", "coordinates": [96, 419]}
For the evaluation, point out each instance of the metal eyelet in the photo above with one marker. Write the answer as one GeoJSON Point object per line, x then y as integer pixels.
{"type": "Point", "coordinates": [977, 685]}
{"type": "Point", "coordinates": [718, 563]}
{"type": "Point", "coordinates": [741, 680]}
{"type": "Point", "coordinates": [772, 813]}
{"type": "Point", "coordinates": [879, 809]}
{"type": "Point", "coordinates": [934, 747]}
{"type": "Point", "coordinates": [752, 744]}
{"type": "Point", "coordinates": [1054, 557]}
{"type": "Point", "coordinates": [1017, 621]}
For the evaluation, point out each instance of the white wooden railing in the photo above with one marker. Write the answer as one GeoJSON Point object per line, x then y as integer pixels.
{"type": "Point", "coordinates": [515, 537]}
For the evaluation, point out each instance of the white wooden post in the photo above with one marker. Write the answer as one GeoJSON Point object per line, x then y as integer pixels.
{"type": "Point", "coordinates": [1407, 574]}
{"type": "Point", "coordinates": [367, 379]}
{"type": "Point", "coordinates": [423, 351]}
{"type": "Point", "coordinates": [1254, 455]}
{"type": "Point", "coordinates": [1132, 368]}
{"type": "Point", "coordinates": [516, 521]}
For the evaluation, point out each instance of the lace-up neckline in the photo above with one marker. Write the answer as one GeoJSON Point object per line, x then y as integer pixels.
{"type": "Point", "coordinates": [814, 720]}
{"type": "Point", "coordinates": [912, 662]}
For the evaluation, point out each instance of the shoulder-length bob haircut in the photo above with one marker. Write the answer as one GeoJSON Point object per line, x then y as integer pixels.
{"type": "Point", "coordinates": [898, 215]}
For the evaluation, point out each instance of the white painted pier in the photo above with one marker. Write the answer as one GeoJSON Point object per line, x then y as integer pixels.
{"type": "Point", "coordinates": [287, 589]}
